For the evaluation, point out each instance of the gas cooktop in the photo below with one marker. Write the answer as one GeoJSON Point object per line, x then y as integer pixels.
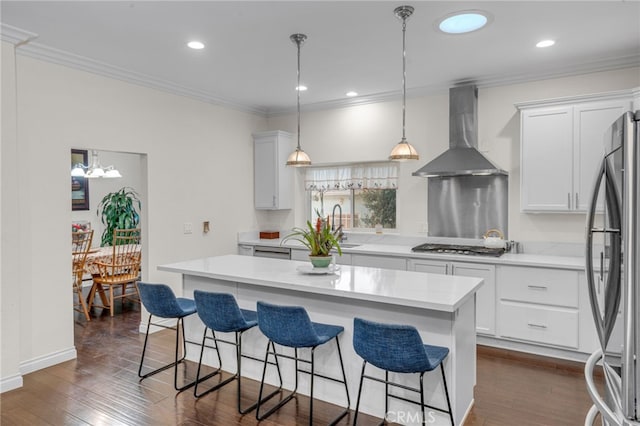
{"type": "Point", "coordinates": [458, 249]}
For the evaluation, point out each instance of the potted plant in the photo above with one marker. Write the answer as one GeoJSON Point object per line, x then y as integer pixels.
{"type": "Point", "coordinates": [118, 210]}
{"type": "Point", "coordinates": [319, 239]}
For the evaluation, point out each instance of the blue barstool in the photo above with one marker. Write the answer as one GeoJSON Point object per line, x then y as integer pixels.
{"type": "Point", "coordinates": [161, 302]}
{"type": "Point", "coordinates": [399, 349]}
{"type": "Point", "coordinates": [290, 326]}
{"type": "Point", "coordinates": [220, 312]}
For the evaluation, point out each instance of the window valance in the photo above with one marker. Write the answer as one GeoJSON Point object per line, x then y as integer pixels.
{"type": "Point", "coordinates": [352, 176]}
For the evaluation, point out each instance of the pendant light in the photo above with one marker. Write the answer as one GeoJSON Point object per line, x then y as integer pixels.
{"type": "Point", "coordinates": [298, 158]}
{"type": "Point", "coordinates": [404, 150]}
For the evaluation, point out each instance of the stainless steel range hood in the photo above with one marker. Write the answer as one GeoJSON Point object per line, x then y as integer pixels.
{"type": "Point", "coordinates": [462, 158]}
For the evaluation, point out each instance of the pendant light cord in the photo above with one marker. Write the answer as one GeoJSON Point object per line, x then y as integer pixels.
{"type": "Point", "coordinates": [404, 76]}
{"type": "Point", "coordinates": [298, 41]}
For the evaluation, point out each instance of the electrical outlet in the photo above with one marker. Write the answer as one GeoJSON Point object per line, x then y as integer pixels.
{"type": "Point", "coordinates": [187, 228]}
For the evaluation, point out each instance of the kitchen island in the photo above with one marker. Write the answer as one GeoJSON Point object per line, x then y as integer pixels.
{"type": "Point", "coordinates": [441, 307]}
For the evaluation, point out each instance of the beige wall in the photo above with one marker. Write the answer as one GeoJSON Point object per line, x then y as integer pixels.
{"type": "Point", "coordinates": [368, 132]}
{"type": "Point", "coordinates": [197, 165]}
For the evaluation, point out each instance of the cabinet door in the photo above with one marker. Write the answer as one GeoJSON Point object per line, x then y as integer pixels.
{"type": "Point", "coordinates": [590, 122]}
{"type": "Point", "coordinates": [384, 262]}
{"type": "Point", "coordinates": [485, 297]}
{"type": "Point", "coordinates": [265, 180]}
{"type": "Point", "coordinates": [273, 180]}
{"type": "Point", "coordinates": [546, 159]}
{"type": "Point", "coordinates": [428, 266]}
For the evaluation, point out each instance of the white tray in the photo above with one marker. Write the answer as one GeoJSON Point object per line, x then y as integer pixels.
{"type": "Point", "coordinates": [312, 270]}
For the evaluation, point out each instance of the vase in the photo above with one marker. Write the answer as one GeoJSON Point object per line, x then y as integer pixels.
{"type": "Point", "coordinates": [320, 261]}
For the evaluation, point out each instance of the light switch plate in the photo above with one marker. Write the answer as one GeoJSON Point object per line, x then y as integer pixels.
{"type": "Point", "coordinates": [187, 228]}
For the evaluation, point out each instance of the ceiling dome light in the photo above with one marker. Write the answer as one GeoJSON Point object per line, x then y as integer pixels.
{"type": "Point", "coordinates": [463, 22]}
{"type": "Point", "coordinates": [197, 45]}
{"type": "Point", "coordinates": [351, 94]}
{"type": "Point", "coordinates": [545, 43]}
{"type": "Point", "coordinates": [301, 88]}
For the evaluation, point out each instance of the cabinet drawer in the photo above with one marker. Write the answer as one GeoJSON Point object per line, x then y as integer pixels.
{"type": "Point", "coordinates": [553, 326]}
{"type": "Point", "coordinates": [534, 285]}
{"type": "Point", "coordinates": [384, 262]}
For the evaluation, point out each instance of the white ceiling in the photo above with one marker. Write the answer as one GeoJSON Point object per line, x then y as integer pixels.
{"type": "Point", "coordinates": [250, 62]}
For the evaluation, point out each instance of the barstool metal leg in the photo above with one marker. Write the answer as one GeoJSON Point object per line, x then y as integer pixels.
{"type": "Point", "coordinates": [179, 327]}
{"type": "Point", "coordinates": [213, 373]}
{"type": "Point", "coordinates": [446, 392]}
{"type": "Point", "coordinates": [264, 371]}
{"type": "Point", "coordinates": [355, 415]}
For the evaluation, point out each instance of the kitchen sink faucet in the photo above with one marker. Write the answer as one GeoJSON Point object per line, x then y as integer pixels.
{"type": "Point", "coordinates": [341, 235]}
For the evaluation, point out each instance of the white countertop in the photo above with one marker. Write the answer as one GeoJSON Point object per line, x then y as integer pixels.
{"type": "Point", "coordinates": [520, 259]}
{"type": "Point", "coordinates": [405, 288]}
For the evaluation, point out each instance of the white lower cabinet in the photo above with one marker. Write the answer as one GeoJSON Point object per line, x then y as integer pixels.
{"type": "Point", "coordinates": [539, 305]}
{"type": "Point", "coordinates": [384, 262]}
{"type": "Point", "coordinates": [485, 297]}
{"type": "Point", "coordinates": [303, 254]}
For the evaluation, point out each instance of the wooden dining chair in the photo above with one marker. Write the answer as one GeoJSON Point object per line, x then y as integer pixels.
{"type": "Point", "coordinates": [80, 246]}
{"type": "Point", "coordinates": [121, 270]}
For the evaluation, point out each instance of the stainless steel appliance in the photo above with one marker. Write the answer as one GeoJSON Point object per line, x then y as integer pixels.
{"type": "Point", "coordinates": [467, 193]}
{"type": "Point", "coordinates": [458, 249]}
{"type": "Point", "coordinates": [612, 259]}
{"type": "Point", "coordinates": [272, 252]}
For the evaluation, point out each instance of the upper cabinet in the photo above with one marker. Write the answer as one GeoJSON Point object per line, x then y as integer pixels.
{"type": "Point", "coordinates": [561, 148]}
{"type": "Point", "coordinates": [273, 180]}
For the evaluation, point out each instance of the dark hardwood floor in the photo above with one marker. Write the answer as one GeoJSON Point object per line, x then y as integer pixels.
{"type": "Point", "coordinates": [101, 387]}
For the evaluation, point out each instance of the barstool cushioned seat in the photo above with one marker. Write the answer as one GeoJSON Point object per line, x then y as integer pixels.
{"type": "Point", "coordinates": [220, 312]}
{"type": "Point", "coordinates": [161, 302]}
{"type": "Point", "coordinates": [290, 326]}
{"type": "Point", "coordinates": [399, 349]}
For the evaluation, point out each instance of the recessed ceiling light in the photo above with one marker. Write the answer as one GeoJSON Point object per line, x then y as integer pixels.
{"type": "Point", "coordinates": [301, 88]}
{"type": "Point", "coordinates": [545, 43]}
{"type": "Point", "coordinates": [464, 22]}
{"type": "Point", "coordinates": [351, 94]}
{"type": "Point", "coordinates": [197, 45]}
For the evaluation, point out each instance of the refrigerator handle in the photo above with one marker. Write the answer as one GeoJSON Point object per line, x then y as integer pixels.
{"type": "Point", "coordinates": [591, 285]}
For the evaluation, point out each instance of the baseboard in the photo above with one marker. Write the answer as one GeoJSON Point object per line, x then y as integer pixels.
{"type": "Point", "coordinates": [527, 348]}
{"type": "Point", "coordinates": [168, 322]}
{"type": "Point", "coordinates": [48, 360]}
{"type": "Point", "coordinates": [10, 383]}
{"type": "Point", "coordinates": [466, 413]}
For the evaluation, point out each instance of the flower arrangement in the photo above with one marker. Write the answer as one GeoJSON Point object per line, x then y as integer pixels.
{"type": "Point", "coordinates": [319, 239]}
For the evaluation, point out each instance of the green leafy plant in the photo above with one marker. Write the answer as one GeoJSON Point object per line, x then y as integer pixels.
{"type": "Point", "coordinates": [118, 210]}
{"type": "Point", "coordinates": [319, 239]}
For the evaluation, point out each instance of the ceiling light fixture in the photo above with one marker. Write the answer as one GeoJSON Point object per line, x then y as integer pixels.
{"type": "Point", "coordinates": [403, 150]}
{"type": "Point", "coordinates": [351, 94]}
{"type": "Point", "coordinates": [545, 43]}
{"type": "Point", "coordinates": [298, 158]}
{"type": "Point", "coordinates": [301, 88]}
{"type": "Point", "coordinates": [197, 45]}
{"type": "Point", "coordinates": [463, 22]}
{"type": "Point", "coordinates": [95, 170]}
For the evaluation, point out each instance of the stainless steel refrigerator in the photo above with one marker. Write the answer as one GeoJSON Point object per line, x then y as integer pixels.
{"type": "Point", "coordinates": [612, 259]}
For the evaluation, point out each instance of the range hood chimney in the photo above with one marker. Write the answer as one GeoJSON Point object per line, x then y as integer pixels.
{"type": "Point", "coordinates": [462, 158]}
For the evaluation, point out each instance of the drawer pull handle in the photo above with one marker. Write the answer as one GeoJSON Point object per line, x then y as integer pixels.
{"type": "Point", "coordinates": [531, 324]}
{"type": "Point", "coordinates": [537, 287]}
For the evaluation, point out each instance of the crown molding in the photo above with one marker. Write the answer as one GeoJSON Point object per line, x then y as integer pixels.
{"type": "Point", "coordinates": [15, 36]}
{"type": "Point", "coordinates": [49, 54]}
{"type": "Point", "coordinates": [25, 46]}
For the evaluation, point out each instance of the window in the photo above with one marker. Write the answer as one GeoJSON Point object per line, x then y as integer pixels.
{"type": "Point", "coordinates": [364, 195]}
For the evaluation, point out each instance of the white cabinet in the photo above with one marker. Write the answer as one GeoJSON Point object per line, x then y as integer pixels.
{"type": "Point", "coordinates": [539, 305]}
{"type": "Point", "coordinates": [384, 262]}
{"type": "Point", "coordinates": [561, 146]}
{"type": "Point", "coordinates": [485, 297]}
{"type": "Point", "coordinates": [303, 254]}
{"type": "Point", "coordinates": [273, 180]}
